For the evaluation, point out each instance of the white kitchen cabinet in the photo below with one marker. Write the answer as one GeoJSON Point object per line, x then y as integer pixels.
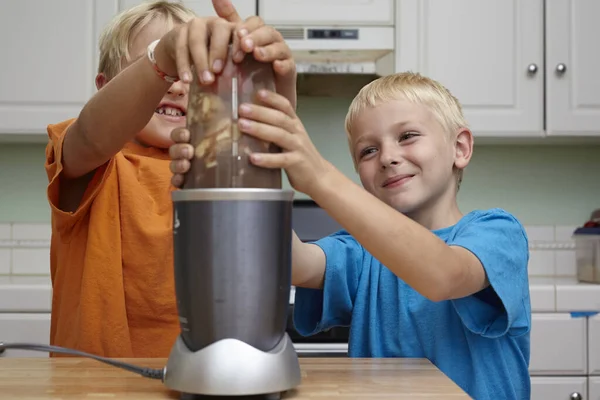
{"type": "Point", "coordinates": [572, 65]}
{"type": "Point", "coordinates": [594, 388]}
{"type": "Point", "coordinates": [594, 345]}
{"type": "Point", "coordinates": [327, 12]}
{"type": "Point", "coordinates": [565, 352]}
{"type": "Point", "coordinates": [52, 68]}
{"type": "Point", "coordinates": [25, 328]}
{"type": "Point", "coordinates": [49, 62]}
{"type": "Point", "coordinates": [204, 8]}
{"type": "Point", "coordinates": [558, 345]}
{"type": "Point", "coordinates": [558, 388]}
{"type": "Point", "coordinates": [520, 69]}
{"type": "Point", "coordinates": [491, 56]}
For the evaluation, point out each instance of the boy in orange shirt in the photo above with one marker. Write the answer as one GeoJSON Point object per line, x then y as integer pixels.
{"type": "Point", "coordinates": [109, 177]}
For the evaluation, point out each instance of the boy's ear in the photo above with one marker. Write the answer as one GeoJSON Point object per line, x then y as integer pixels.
{"type": "Point", "coordinates": [463, 148]}
{"type": "Point", "coordinates": [100, 80]}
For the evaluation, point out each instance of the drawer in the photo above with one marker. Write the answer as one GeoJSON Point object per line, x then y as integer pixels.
{"type": "Point", "coordinates": [321, 349]}
{"type": "Point", "coordinates": [555, 388]}
{"type": "Point", "coordinates": [558, 345]}
{"type": "Point", "coordinates": [25, 328]}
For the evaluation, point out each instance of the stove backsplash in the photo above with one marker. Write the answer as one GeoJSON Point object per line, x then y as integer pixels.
{"type": "Point", "coordinates": [24, 247]}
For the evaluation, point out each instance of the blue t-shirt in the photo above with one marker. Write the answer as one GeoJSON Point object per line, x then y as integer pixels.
{"type": "Point", "coordinates": [481, 342]}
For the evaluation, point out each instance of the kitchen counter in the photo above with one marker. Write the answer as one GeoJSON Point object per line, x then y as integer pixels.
{"type": "Point", "coordinates": [563, 294]}
{"type": "Point", "coordinates": [327, 378]}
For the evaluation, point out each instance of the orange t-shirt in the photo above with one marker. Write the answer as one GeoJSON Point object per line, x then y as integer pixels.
{"type": "Point", "coordinates": [111, 261]}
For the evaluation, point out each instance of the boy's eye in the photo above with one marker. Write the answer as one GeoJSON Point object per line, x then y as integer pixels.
{"type": "Point", "coordinates": [407, 135]}
{"type": "Point", "coordinates": [366, 151]}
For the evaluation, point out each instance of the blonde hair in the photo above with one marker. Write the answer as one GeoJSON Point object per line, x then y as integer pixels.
{"type": "Point", "coordinates": [115, 39]}
{"type": "Point", "coordinates": [417, 89]}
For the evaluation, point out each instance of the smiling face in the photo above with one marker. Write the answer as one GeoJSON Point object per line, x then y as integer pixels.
{"type": "Point", "coordinates": [171, 112]}
{"type": "Point", "coordinates": [406, 158]}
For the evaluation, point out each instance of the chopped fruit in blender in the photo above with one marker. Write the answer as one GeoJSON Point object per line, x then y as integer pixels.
{"type": "Point", "coordinates": [222, 152]}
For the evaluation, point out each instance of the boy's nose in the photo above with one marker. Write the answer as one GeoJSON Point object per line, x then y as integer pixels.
{"type": "Point", "coordinates": [388, 158]}
{"type": "Point", "coordinates": [386, 165]}
{"type": "Point", "coordinates": [178, 89]}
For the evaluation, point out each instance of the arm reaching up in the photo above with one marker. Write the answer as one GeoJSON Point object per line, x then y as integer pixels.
{"type": "Point", "coordinates": [265, 43]}
{"type": "Point", "coordinates": [126, 103]}
{"type": "Point", "coordinates": [308, 264]}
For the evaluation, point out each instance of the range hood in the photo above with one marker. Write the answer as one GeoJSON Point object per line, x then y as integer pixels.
{"type": "Point", "coordinates": [339, 60]}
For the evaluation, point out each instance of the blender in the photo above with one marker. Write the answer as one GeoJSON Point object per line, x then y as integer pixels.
{"type": "Point", "coordinates": [232, 237]}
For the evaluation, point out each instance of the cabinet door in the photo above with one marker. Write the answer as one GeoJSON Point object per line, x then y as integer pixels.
{"type": "Point", "coordinates": [594, 344]}
{"type": "Point", "coordinates": [52, 55]}
{"type": "Point", "coordinates": [594, 388]}
{"type": "Point", "coordinates": [327, 12]}
{"type": "Point", "coordinates": [25, 328]}
{"type": "Point", "coordinates": [204, 8]}
{"type": "Point", "coordinates": [573, 62]}
{"type": "Point", "coordinates": [558, 345]}
{"type": "Point", "coordinates": [489, 54]}
{"type": "Point", "coordinates": [551, 388]}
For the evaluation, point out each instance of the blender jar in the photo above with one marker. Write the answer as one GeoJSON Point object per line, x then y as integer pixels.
{"type": "Point", "coordinates": [221, 151]}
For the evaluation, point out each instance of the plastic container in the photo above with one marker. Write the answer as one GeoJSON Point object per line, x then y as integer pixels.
{"type": "Point", "coordinates": [587, 254]}
{"type": "Point", "coordinates": [221, 156]}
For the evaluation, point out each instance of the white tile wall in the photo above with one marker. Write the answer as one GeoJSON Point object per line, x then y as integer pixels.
{"type": "Point", "coordinates": [551, 250]}
{"type": "Point", "coordinates": [31, 261]}
{"type": "Point", "coordinates": [5, 233]}
{"type": "Point", "coordinates": [5, 248]}
{"type": "Point", "coordinates": [31, 231]}
{"type": "Point", "coordinates": [24, 249]}
{"type": "Point", "coordinates": [541, 263]}
{"type": "Point", "coordinates": [5, 260]}
{"type": "Point", "coordinates": [544, 233]}
{"type": "Point", "coordinates": [564, 233]}
{"type": "Point", "coordinates": [565, 262]}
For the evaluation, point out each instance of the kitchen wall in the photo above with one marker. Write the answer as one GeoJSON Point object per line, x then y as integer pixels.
{"type": "Point", "coordinates": [551, 189]}
{"type": "Point", "coordinates": [540, 184]}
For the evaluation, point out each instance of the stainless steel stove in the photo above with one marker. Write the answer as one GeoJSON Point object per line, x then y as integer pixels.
{"type": "Point", "coordinates": [310, 222]}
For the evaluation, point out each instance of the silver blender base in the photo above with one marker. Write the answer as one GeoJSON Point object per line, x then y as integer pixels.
{"type": "Point", "coordinates": [231, 367]}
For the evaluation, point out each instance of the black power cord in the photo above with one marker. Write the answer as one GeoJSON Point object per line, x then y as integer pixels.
{"type": "Point", "coordinates": [143, 371]}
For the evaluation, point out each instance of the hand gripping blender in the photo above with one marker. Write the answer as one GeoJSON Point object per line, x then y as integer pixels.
{"type": "Point", "coordinates": [232, 251]}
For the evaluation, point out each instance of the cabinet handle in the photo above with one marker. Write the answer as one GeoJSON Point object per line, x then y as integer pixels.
{"type": "Point", "coordinates": [576, 396]}
{"type": "Point", "coordinates": [532, 69]}
{"type": "Point", "coordinates": [561, 68]}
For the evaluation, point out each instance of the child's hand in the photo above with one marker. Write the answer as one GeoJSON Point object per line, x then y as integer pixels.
{"type": "Point", "coordinates": [265, 43]}
{"type": "Point", "coordinates": [186, 45]}
{"type": "Point", "coordinates": [277, 122]}
{"type": "Point", "coordinates": [181, 154]}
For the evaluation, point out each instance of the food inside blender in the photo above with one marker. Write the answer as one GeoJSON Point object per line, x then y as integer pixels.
{"type": "Point", "coordinates": [221, 155]}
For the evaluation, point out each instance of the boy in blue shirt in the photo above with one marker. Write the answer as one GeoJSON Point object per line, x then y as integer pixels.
{"type": "Point", "coordinates": [410, 274]}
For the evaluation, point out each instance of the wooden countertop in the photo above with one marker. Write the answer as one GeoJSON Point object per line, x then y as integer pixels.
{"type": "Point", "coordinates": [322, 378]}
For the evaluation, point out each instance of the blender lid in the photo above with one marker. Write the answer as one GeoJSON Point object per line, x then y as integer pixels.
{"type": "Point", "coordinates": [587, 231]}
